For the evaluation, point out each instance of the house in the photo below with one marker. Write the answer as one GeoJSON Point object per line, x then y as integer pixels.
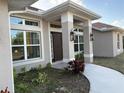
{"type": "Point", "coordinates": [108, 40]}
{"type": "Point", "coordinates": [28, 36]}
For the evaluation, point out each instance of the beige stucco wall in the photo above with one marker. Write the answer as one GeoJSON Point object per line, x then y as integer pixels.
{"type": "Point", "coordinates": [88, 43]}
{"type": "Point", "coordinates": [68, 45]}
{"type": "Point", "coordinates": [45, 44]}
{"type": "Point", "coordinates": [103, 44]}
{"type": "Point", "coordinates": [6, 69]}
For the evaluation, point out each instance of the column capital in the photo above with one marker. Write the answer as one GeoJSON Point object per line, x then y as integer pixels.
{"type": "Point", "coordinates": [67, 17]}
{"type": "Point", "coordinates": [87, 23]}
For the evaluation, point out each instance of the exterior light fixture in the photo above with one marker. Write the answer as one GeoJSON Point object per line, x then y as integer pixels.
{"type": "Point", "coordinates": [91, 37]}
{"type": "Point", "coordinates": [72, 35]}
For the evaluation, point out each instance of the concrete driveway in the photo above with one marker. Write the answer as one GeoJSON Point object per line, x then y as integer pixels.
{"type": "Point", "coordinates": [104, 80]}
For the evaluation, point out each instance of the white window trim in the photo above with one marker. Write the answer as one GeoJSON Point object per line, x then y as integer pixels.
{"type": "Point", "coordinates": [78, 33]}
{"type": "Point", "coordinates": [25, 47]}
{"type": "Point", "coordinates": [118, 41]}
{"type": "Point", "coordinates": [26, 19]}
{"type": "Point", "coordinates": [32, 21]}
{"type": "Point", "coordinates": [79, 51]}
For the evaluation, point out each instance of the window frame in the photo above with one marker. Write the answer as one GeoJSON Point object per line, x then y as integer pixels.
{"type": "Point", "coordinates": [26, 45]}
{"type": "Point", "coordinates": [31, 21]}
{"type": "Point", "coordinates": [31, 45]}
{"type": "Point", "coordinates": [118, 41]}
{"type": "Point", "coordinates": [78, 34]}
{"type": "Point", "coordinates": [19, 18]}
{"type": "Point", "coordinates": [24, 20]}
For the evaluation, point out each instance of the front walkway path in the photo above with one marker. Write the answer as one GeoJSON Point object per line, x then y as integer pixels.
{"type": "Point", "coordinates": [104, 80]}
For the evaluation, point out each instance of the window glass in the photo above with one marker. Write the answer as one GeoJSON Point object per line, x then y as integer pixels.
{"type": "Point", "coordinates": [32, 37]}
{"type": "Point", "coordinates": [81, 47]}
{"type": "Point", "coordinates": [18, 53]}
{"type": "Point", "coordinates": [33, 51]}
{"type": "Point", "coordinates": [16, 20]}
{"type": "Point", "coordinates": [80, 30]}
{"type": "Point", "coordinates": [81, 39]}
{"type": "Point", "coordinates": [76, 39]}
{"type": "Point", "coordinates": [28, 50]}
{"type": "Point", "coordinates": [78, 43]}
{"type": "Point", "coordinates": [17, 37]}
{"type": "Point", "coordinates": [75, 47]}
{"type": "Point", "coordinates": [32, 23]}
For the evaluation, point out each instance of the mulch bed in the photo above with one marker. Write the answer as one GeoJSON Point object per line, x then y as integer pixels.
{"type": "Point", "coordinates": [73, 83]}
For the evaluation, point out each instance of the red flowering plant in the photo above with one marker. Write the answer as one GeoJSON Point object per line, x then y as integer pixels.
{"type": "Point", "coordinates": [6, 90]}
{"type": "Point", "coordinates": [76, 66]}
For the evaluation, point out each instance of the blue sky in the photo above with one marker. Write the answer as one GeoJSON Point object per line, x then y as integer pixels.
{"type": "Point", "coordinates": [110, 10]}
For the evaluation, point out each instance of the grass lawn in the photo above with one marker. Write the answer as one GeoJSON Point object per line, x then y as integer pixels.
{"type": "Point", "coordinates": [116, 63]}
{"type": "Point", "coordinates": [32, 82]}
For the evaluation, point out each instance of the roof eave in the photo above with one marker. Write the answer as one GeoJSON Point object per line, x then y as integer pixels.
{"type": "Point", "coordinates": [71, 5]}
{"type": "Point", "coordinates": [85, 10]}
{"type": "Point", "coordinates": [14, 5]}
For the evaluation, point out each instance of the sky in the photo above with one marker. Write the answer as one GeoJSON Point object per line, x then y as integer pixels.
{"type": "Point", "coordinates": [112, 11]}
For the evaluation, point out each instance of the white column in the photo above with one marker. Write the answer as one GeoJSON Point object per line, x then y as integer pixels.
{"type": "Point", "coordinates": [6, 66]}
{"type": "Point", "coordinates": [88, 43]}
{"type": "Point", "coordinates": [68, 45]}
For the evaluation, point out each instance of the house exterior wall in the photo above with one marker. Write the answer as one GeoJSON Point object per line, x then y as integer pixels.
{"type": "Point", "coordinates": [6, 68]}
{"type": "Point", "coordinates": [45, 44]}
{"type": "Point", "coordinates": [103, 44]}
{"type": "Point", "coordinates": [117, 51]}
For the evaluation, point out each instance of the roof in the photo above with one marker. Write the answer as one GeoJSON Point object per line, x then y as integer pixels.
{"type": "Point", "coordinates": [104, 27]}
{"type": "Point", "coordinates": [19, 4]}
{"type": "Point", "coordinates": [72, 7]}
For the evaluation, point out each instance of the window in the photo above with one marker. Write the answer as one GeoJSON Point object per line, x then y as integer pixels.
{"type": "Point", "coordinates": [118, 41]}
{"type": "Point", "coordinates": [78, 43]}
{"type": "Point", "coordinates": [31, 23]}
{"type": "Point", "coordinates": [16, 20]}
{"type": "Point", "coordinates": [33, 44]}
{"type": "Point", "coordinates": [80, 30]}
{"type": "Point", "coordinates": [25, 45]}
{"type": "Point", "coordinates": [17, 45]}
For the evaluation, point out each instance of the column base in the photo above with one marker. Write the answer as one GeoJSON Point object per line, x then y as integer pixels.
{"type": "Point", "coordinates": [88, 58]}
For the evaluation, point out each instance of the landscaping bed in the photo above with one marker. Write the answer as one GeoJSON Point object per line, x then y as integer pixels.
{"type": "Point", "coordinates": [49, 80]}
{"type": "Point", "coordinates": [116, 63]}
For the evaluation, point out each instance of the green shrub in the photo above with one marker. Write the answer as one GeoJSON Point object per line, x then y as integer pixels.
{"type": "Point", "coordinates": [48, 65]}
{"type": "Point", "coordinates": [14, 73]}
{"type": "Point", "coordinates": [40, 67]}
{"type": "Point", "coordinates": [42, 78]}
{"type": "Point", "coordinates": [22, 88]}
{"type": "Point", "coordinates": [33, 69]}
{"type": "Point", "coordinates": [79, 56]}
{"type": "Point", "coordinates": [23, 70]}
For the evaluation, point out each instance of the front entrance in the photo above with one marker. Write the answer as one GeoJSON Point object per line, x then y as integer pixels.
{"type": "Point", "coordinates": [56, 44]}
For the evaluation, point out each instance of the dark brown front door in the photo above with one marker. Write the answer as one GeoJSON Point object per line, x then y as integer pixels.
{"type": "Point", "coordinates": [57, 46]}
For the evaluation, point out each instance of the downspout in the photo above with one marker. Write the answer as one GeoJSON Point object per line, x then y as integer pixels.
{"type": "Point", "coordinates": [12, 12]}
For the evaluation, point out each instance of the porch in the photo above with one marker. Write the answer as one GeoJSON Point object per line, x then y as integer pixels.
{"type": "Point", "coordinates": [67, 23]}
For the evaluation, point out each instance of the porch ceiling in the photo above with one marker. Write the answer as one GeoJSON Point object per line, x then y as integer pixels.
{"type": "Point", "coordinates": [19, 4]}
{"type": "Point", "coordinates": [77, 10]}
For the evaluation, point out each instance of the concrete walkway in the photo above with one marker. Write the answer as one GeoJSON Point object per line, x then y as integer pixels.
{"type": "Point", "coordinates": [104, 80]}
